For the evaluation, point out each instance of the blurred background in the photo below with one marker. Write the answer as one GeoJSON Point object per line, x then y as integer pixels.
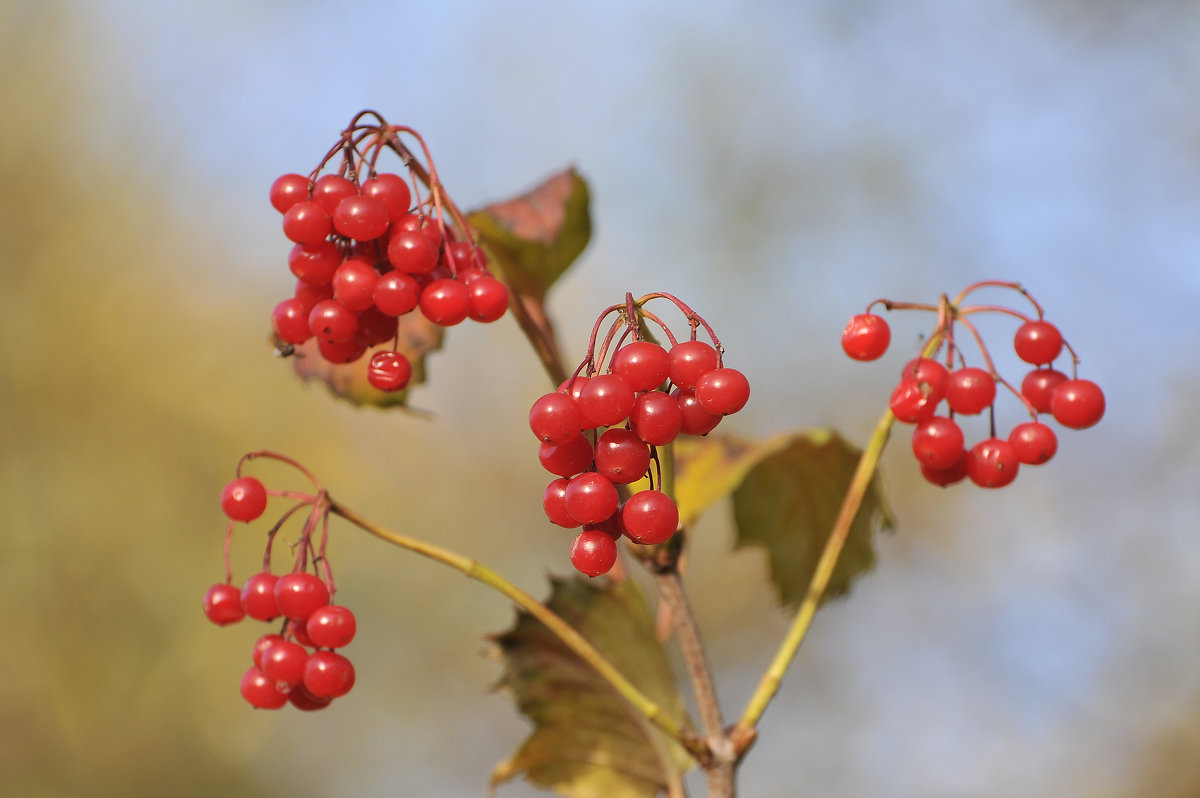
{"type": "Point", "coordinates": [778, 165]}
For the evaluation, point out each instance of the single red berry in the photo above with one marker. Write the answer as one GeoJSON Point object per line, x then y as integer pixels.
{"type": "Point", "coordinates": [392, 190]}
{"type": "Point", "coordinates": [622, 456]}
{"type": "Point", "coordinates": [260, 647]}
{"type": "Point", "coordinates": [650, 517]}
{"type": "Point", "coordinates": [328, 675]}
{"type": "Point", "coordinates": [290, 321]}
{"type": "Point", "coordinates": [301, 699]}
{"type": "Point", "coordinates": [992, 463]}
{"type": "Point", "coordinates": [341, 351]}
{"type": "Point", "coordinates": [396, 293]}
{"type": "Point", "coordinates": [1034, 442]}
{"type": "Point", "coordinates": [1077, 404]}
{"type": "Point", "coordinates": [937, 442]}
{"type": "Point", "coordinates": [593, 552]}
{"type": "Point", "coordinates": [656, 418]}
{"type": "Point", "coordinates": [927, 370]}
{"type": "Point", "coordinates": [1038, 342]}
{"type": "Point", "coordinates": [299, 593]}
{"type": "Point", "coordinates": [691, 360]}
{"type": "Point", "coordinates": [306, 223]}
{"type": "Point", "coordinates": [913, 401]}
{"type": "Point", "coordinates": [354, 284]}
{"type": "Point", "coordinates": [330, 320]}
{"type": "Point", "coordinates": [297, 631]}
{"type": "Point", "coordinates": [695, 419]}
{"type": "Point", "coordinates": [555, 418]}
{"type": "Point", "coordinates": [487, 298]}
{"type": "Point", "coordinates": [1038, 387]}
{"type": "Point", "coordinates": [866, 337]}
{"type": "Point", "coordinates": [361, 218]}
{"type": "Point", "coordinates": [612, 526]}
{"type": "Point", "coordinates": [258, 596]}
{"type": "Point", "coordinates": [591, 498]}
{"type": "Point", "coordinates": [261, 692]}
{"type": "Point", "coordinates": [467, 258]}
{"type": "Point", "coordinates": [330, 190]}
{"type": "Point", "coordinates": [283, 663]}
{"type": "Point", "coordinates": [287, 190]}
{"type": "Point", "coordinates": [644, 364]}
{"type": "Point", "coordinates": [445, 302]}
{"type": "Point", "coordinates": [331, 627]}
{"type": "Point", "coordinates": [566, 459]}
{"type": "Point", "coordinates": [554, 502]}
{"type": "Point", "coordinates": [970, 391]}
{"type": "Point", "coordinates": [425, 225]}
{"type": "Point", "coordinates": [947, 476]}
{"type": "Point", "coordinates": [412, 252]}
{"type": "Point", "coordinates": [309, 295]}
{"type": "Point", "coordinates": [244, 499]}
{"type": "Point", "coordinates": [375, 327]}
{"type": "Point", "coordinates": [223, 604]}
{"type": "Point", "coordinates": [315, 263]}
{"type": "Point", "coordinates": [604, 400]}
{"type": "Point", "coordinates": [723, 392]}
{"type": "Point", "coordinates": [389, 371]}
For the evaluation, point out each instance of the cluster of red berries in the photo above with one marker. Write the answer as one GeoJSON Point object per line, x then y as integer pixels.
{"type": "Point", "coordinates": [925, 383]}
{"type": "Point", "coordinates": [299, 664]}
{"type": "Point", "coordinates": [600, 430]}
{"type": "Point", "coordinates": [366, 254]}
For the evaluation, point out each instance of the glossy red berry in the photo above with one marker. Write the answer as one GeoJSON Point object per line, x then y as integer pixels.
{"type": "Point", "coordinates": [691, 360]}
{"type": "Point", "coordinates": [290, 321]}
{"type": "Point", "coordinates": [1034, 442]}
{"type": "Point", "coordinates": [591, 498]}
{"type": "Point", "coordinates": [445, 302]}
{"type": "Point", "coordinates": [555, 418]}
{"type": "Point", "coordinates": [306, 223]}
{"type": "Point", "coordinates": [258, 596]}
{"type": "Point", "coordinates": [866, 337]}
{"type": "Point", "coordinates": [283, 663]}
{"type": "Point", "coordinates": [392, 191]}
{"type": "Point", "coordinates": [1038, 342]}
{"type": "Point", "coordinates": [929, 371]}
{"type": "Point", "coordinates": [937, 442]}
{"type": "Point", "coordinates": [299, 593]}
{"type": "Point", "coordinates": [644, 364]}
{"type": "Point", "coordinates": [695, 419]}
{"type": "Point", "coordinates": [331, 627]}
{"type": "Point", "coordinates": [593, 552]}
{"type": "Point", "coordinates": [622, 456]}
{"type": "Point", "coordinates": [328, 675]}
{"type": "Point", "coordinates": [244, 499]}
{"type": "Point", "coordinates": [309, 295]}
{"type": "Point", "coordinates": [913, 402]}
{"type": "Point", "coordinates": [656, 418]}
{"type": "Point", "coordinates": [992, 463]}
{"type": "Point", "coordinates": [425, 225]}
{"type": "Point", "coordinates": [389, 371]}
{"type": "Point", "coordinates": [970, 390]}
{"type": "Point", "coordinates": [287, 190]}
{"type": "Point", "coordinates": [298, 632]}
{"type": "Point", "coordinates": [554, 502]}
{"type": "Point", "coordinates": [354, 284]}
{"type": "Point", "coordinates": [330, 320]}
{"type": "Point", "coordinates": [341, 351]}
{"type": "Point", "coordinates": [260, 647]}
{"type": "Point", "coordinates": [487, 298]}
{"type": "Point", "coordinates": [301, 699]}
{"type": "Point", "coordinates": [723, 391]}
{"type": "Point", "coordinates": [1038, 387]}
{"type": "Point", "coordinates": [566, 459]}
{"type": "Point", "coordinates": [375, 327]}
{"type": "Point", "coordinates": [261, 692]}
{"type": "Point", "coordinates": [330, 190]}
{"type": "Point", "coordinates": [947, 476]}
{"type": "Point", "coordinates": [361, 218]}
{"type": "Point", "coordinates": [650, 517]}
{"type": "Point", "coordinates": [315, 263]}
{"type": "Point", "coordinates": [412, 252]}
{"type": "Point", "coordinates": [223, 604]}
{"type": "Point", "coordinates": [396, 293]}
{"type": "Point", "coordinates": [605, 399]}
{"type": "Point", "coordinates": [1077, 404]}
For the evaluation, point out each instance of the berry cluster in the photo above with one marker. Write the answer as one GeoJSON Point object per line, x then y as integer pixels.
{"type": "Point", "coordinates": [298, 664]}
{"type": "Point", "coordinates": [925, 383]}
{"type": "Point", "coordinates": [368, 250]}
{"type": "Point", "coordinates": [601, 429]}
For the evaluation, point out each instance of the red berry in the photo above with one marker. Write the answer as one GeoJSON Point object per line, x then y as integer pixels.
{"type": "Point", "coordinates": [412, 252]}
{"type": "Point", "coordinates": [330, 320]}
{"type": "Point", "coordinates": [392, 191]}
{"type": "Point", "coordinates": [287, 190]}
{"type": "Point", "coordinates": [331, 627]}
{"type": "Point", "coordinates": [283, 663]}
{"type": "Point", "coordinates": [301, 699]}
{"type": "Point", "coordinates": [927, 370]}
{"type": "Point", "coordinates": [309, 295]}
{"type": "Point", "coordinates": [913, 401]}
{"type": "Point", "coordinates": [554, 502]}
{"type": "Point", "coordinates": [605, 400]}
{"type": "Point", "coordinates": [306, 223]}
{"type": "Point", "coordinates": [445, 302]}
{"type": "Point", "coordinates": [261, 692]}
{"type": "Point", "coordinates": [691, 360]}
{"type": "Point", "coordinates": [723, 392]}
{"type": "Point", "coordinates": [591, 498]}
{"type": "Point", "coordinates": [650, 517]}
{"type": "Point", "coordinates": [375, 327]}
{"type": "Point", "coordinates": [258, 596]}
{"type": "Point", "coordinates": [290, 321]}
{"type": "Point", "coordinates": [425, 225]}
{"type": "Point", "coordinates": [695, 420]}
{"type": "Point", "coordinates": [354, 284]}
{"type": "Point", "coordinates": [487, 298]}
{"type": "Point", "coordinates": [315, 263]}
{"type": "Point", "coordinates": [361, 218]}
{"type": "Point", "coordinates": [299, 594]}
{"type": "Point", "coordinates": [396, 293]}
{"type": "Point", "coordinates": [1077, 404]}
{"type": "Point", "coordinates": [328, 675]}
{"type": "Point", "coordinates": [656, 418]}
{"type": "Point", "coordinates": [1034, 442]}
{"type": "Point", "coordinates": [244, 499]}
{"type": "Point", "coordinates": [223, 604]}
{"type": "Point", "coordinates": [260, 647]}
{"type": "Point", "coordinates": [297, 631]}
{"type": "Point", "coordinates": [341, 351]}
{"type": "Point", "coordinates": [937, 443]}
{"type": "Point", "coordinates": [644, 364]}
{"type": "Point", "coordinates": [947, 476]}
{"type": "Point", "coordinates": [330, 190]}
{"type": "Point", "coordinates": [970, 391]}
{"type": "Point", "coordinates": [992, 463]}
{"type": "Point", "coordinates": [1038, 342]}
{"type": "Point", "coordinates": [866, 337]}
{"type": "Point", "coordinates": [467, 258]}
{"type": "Point", "coordinates": [622, 456]}
{"type": "Point", "coordinates": [593, 552]}
{"type": "Point", "coordinates": [555, 418]}
{"type": "Point", "coordinates": [389, 371]}
{"type": "Point", "coordinates": [1038, 387]}
{"type": "Point", "coordinates": [566, 459]}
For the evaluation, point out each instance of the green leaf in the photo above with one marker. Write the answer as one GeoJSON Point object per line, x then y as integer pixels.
{"type": "Point", "coordinates": [787, 492]}
{"type": "Point", "coordinates": [588, 742]}
{"type": "Point", "coordinates": [417, 337]}
{"type": "Point", "coordinates": [534, 238]}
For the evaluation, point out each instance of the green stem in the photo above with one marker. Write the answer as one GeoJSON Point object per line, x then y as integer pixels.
{"type": "Point", "coordinates": [564, 631]}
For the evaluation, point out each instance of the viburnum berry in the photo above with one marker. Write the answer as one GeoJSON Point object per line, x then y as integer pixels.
{"type": "Point", "coordinates": [927, 370]}
{"type": "Point", "coordinates": [1034, 442]}
{"type": "Point", "coordinates": [360, 217]}
{"type": "Point", "coordinates": [287, 190]}
{"type": "Point", "coordinates": [644, 364]}
{"type": "Point", "coordinates": [299, 594]}
{"type": "Point", "coordinates": [1077, 404]}
{"type": "Point", "coordinates": [1038, 387]}
{"type": "Point", "coordinates": [691, 360]}
{"type": "Point", "coordinates": [605, 399]}
{"type": "Point", "coordinates": [328, 675]}
{"type": "Point", "coordinates": [260, 647]}
{"type": "Point", "coordinates": [309, 295]}
{"type": "Point", "coordinates": [650, 517]}
{"type": "Point", "coordinates": [223, 604]}
{"type": "Point", "coordinates": [375, 327]}
{"type": "Point", "coordinates": [425, 225]}
{"type": "Point", "coordinates": [695, 419]}
{"type": "Point", "coordinates": [261, 692]}
{"type": "Point", "coordinates": [947, 476]}
{"type": "Point", "coordinates": [301, 699]}
{"type": "Point", "coordinates": [306, 223]}
{"type": "Point", "coordinates": [298, 632]}
{"type": "Point", "coordinates": [566, 459]}
{"type": "Point", "coordinates": [866, 337]}
{"type": "Point", "coordinates": [330, 320]}
{"type": "Point", "coordinates": [354, 284]}
{"type": "Point", "coordinates": [389, 371]}
{"type": "Point", "coordinates": [315, 263]}
{"type": "Point", "coordinates": [396, 293]}
{"type": "Point", "coordinates": [591, 498]}
{"type": "Point", "coordinates": [970, 390]}
{"type": "Point", "coordinates": [341, 351]}
{"type": "Point", "coordinates": [937, 442]}
{"type": "Point", "coordinates": [445, 302]}
{"type": "Point", "coordinates": [412, 252]}
{"type": "Point", "coordinates": [283, 663]}
{"type": "Point", "coordinates": [332, 626]}
{"type": "Point", "coordinates": [913, 402]}
{"type": "Point", "coordinates": [621, 456]}
{"type": "Point", "coordinates": [392, 190]}
{"type": "Point", "coordinates": [329, 191]}
{"type": "Point", "coordinates": [244, 499]}
{"type": "Point", "coordinates": [992, 463]}
{"type": "Point", "coordinates": [258, 596]}
{"type": "Point", "coordinates": [555, 418]}
{"type": "Point", "coordinates": [1038, 342]}
{"type": "Point", "coordinates": [487, 298]}
{"type": "Point", "coordinates": [722, 391]}
{"type": "Point", "coordinates": [593, 552]}
{"type": "Point", "coordinates": [554, 503]}
{"type": "Point", "coordinates": [656, 418]}
{"type": "Point", "coordinates": [290, 321]}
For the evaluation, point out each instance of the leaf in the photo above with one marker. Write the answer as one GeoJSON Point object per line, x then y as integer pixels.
{"type": "Point", "coordinates": [787, 492]}
{"type": "Point", "coordinates": [417, 337]}
{"type": "Point", "coordinates": [535, 237]}
{"type": "Point", "coordinates": [588, 742]}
